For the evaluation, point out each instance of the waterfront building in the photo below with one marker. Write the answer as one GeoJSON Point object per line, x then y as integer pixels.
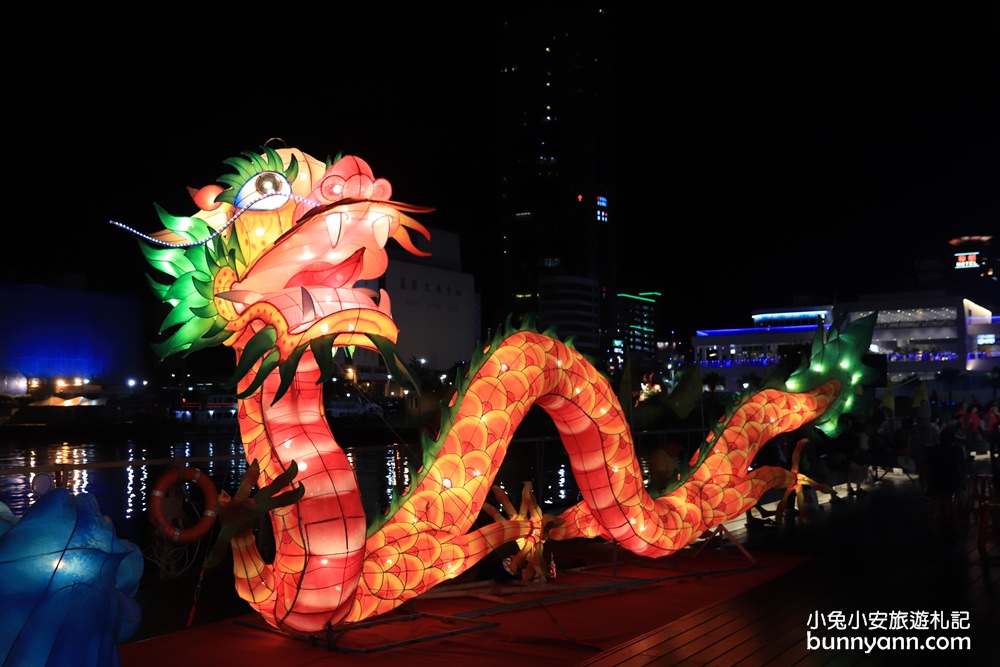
{"type": "Point", "coordinates": [436, 307]}
{"type": "Point", "coordinates": [434, 303]}
{"type": "Point", "coordinates": [71, 336]}
{"type": "Point", "coordinates": [948, 342]}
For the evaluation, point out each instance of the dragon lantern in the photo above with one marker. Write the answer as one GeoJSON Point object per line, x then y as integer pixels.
{"type": "Point", "coordinates": [269, 266]}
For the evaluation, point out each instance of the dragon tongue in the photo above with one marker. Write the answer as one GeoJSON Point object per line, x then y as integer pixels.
{"type": "Point", "coordinates": [326, 275]}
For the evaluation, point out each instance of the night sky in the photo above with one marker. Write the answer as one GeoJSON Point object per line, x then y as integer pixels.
{"type": "Point", "coordinates": [764, 149]}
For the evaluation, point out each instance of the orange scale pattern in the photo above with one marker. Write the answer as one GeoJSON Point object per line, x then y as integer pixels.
{"type": "Point", "coordinates": [432, 536]}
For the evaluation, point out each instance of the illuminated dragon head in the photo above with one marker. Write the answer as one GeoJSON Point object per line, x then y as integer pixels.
{"type": "Point", "coordinates": [270, 263]}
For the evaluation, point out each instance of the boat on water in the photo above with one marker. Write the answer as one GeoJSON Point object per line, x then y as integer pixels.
{"type": "Point", "coordinates": [59, 418]}
{"type": "Point", "coordinates": [78, 420]}
{"type": "Point", "coordinates": [218, 412]}
{"type": "Point", "coordinates": [357, 422]}
{"type": "Point", "coordinates": [352, 409]}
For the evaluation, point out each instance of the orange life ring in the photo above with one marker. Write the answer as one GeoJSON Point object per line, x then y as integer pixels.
{"type": "Point", "coordinates": [200, 529]}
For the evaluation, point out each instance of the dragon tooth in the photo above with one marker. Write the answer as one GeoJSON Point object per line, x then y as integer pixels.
{"type": "Point", "coordinates": [308, 305]}
{"type": "Point", "coordinates": [240, 297]}
{"type": "Point", "coordinates": [335, 226]}
{"type": "Point", "coordinates": [383, 302]}
{"type": "Point", "coordinates": [381, 230]}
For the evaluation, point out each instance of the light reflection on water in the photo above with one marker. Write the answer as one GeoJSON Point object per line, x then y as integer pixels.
{"type": "Point", "coordinates": [120, 473]}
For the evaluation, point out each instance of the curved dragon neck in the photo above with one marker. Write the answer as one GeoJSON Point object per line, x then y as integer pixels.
{"type": "Point", "coordinates": [294, 428]}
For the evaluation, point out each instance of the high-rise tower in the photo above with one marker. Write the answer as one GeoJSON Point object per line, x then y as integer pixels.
{"type": "Point", "coordinates": [556, 221]}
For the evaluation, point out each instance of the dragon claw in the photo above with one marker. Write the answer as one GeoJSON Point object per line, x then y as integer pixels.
{"type": "Point", "coordinates": [801, 481]}
{"type": "Point", "coordinates": [531, 551]}
{"type": "Point", "coordinates": [239, 513]}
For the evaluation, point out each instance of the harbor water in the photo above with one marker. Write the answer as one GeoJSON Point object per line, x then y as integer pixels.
{"type": "Point", "coordinates": [120, 469]}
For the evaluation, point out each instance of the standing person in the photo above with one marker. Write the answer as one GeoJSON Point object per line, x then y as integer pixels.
{"type": "Point", "coordinates": [944, 476]}
{"type": "Point", "coordinates": [972, 424]}
{"type": "Point", "coordinates": [950, 430]}
{"type": "Point", "coordinates": [845, 456]}
{"type": "Point", "coordinates": [972, 421]}
{"type": "Point", "coordinates": [991, 430]}
{"type": "Point", "coordinates": [924, 435]}
{"type": "Point", "coordinates": [884, 423]}
{"type": "Point", "coordinates": [865, 430]}
{"type": "Point", "coordinates": [990, 421]}
{"type": "Point", "coordinates": [961, 435]}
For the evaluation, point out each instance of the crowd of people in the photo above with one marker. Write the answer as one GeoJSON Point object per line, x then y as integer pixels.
{"type": "Point", "coordinates": [935, 447]}
{"type": "Point", "coordinates": [905, 443]}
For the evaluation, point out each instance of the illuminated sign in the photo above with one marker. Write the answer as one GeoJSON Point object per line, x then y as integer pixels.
{"type": "Point", "coordinates": [754, 330]}
{"type": "Point", "coordinates": [967, 260]}
{"type": "Point", "coordinates": [802, 314]}
{"type": "Point", "coordinates": [986, 339]}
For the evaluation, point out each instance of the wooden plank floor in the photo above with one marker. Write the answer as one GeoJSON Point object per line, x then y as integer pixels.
{"type": "Point", "coordinates": [888, 551]}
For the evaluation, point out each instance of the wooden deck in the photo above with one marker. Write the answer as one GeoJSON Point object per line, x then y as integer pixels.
{"type": "Point", "coordinates": [745, 601]}
{"type": "Point", "coordinates": [888, 551]}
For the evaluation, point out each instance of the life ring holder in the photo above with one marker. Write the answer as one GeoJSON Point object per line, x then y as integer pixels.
{"type": "Point", "coordinates": [160, 489]}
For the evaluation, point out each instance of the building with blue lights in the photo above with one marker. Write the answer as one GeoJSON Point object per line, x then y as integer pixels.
{"type": "Point", "coordinates": [922, 337]}
{"type": "Point", "coordinates": [73, 335]}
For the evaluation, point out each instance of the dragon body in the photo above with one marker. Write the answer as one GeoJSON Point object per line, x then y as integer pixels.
{"type": "Point", "coordinates": [272, 265]}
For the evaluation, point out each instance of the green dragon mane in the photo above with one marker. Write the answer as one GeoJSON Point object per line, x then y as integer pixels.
{"type": "Point", "coordinates": [193, 322]}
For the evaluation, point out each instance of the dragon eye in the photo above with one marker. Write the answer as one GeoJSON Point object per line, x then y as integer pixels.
{"type": "Point", "coordinates": [265, 191]}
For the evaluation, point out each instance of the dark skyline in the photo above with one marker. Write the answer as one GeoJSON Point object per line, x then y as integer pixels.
{"type": "Point", "coordinates": [762, 151]}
